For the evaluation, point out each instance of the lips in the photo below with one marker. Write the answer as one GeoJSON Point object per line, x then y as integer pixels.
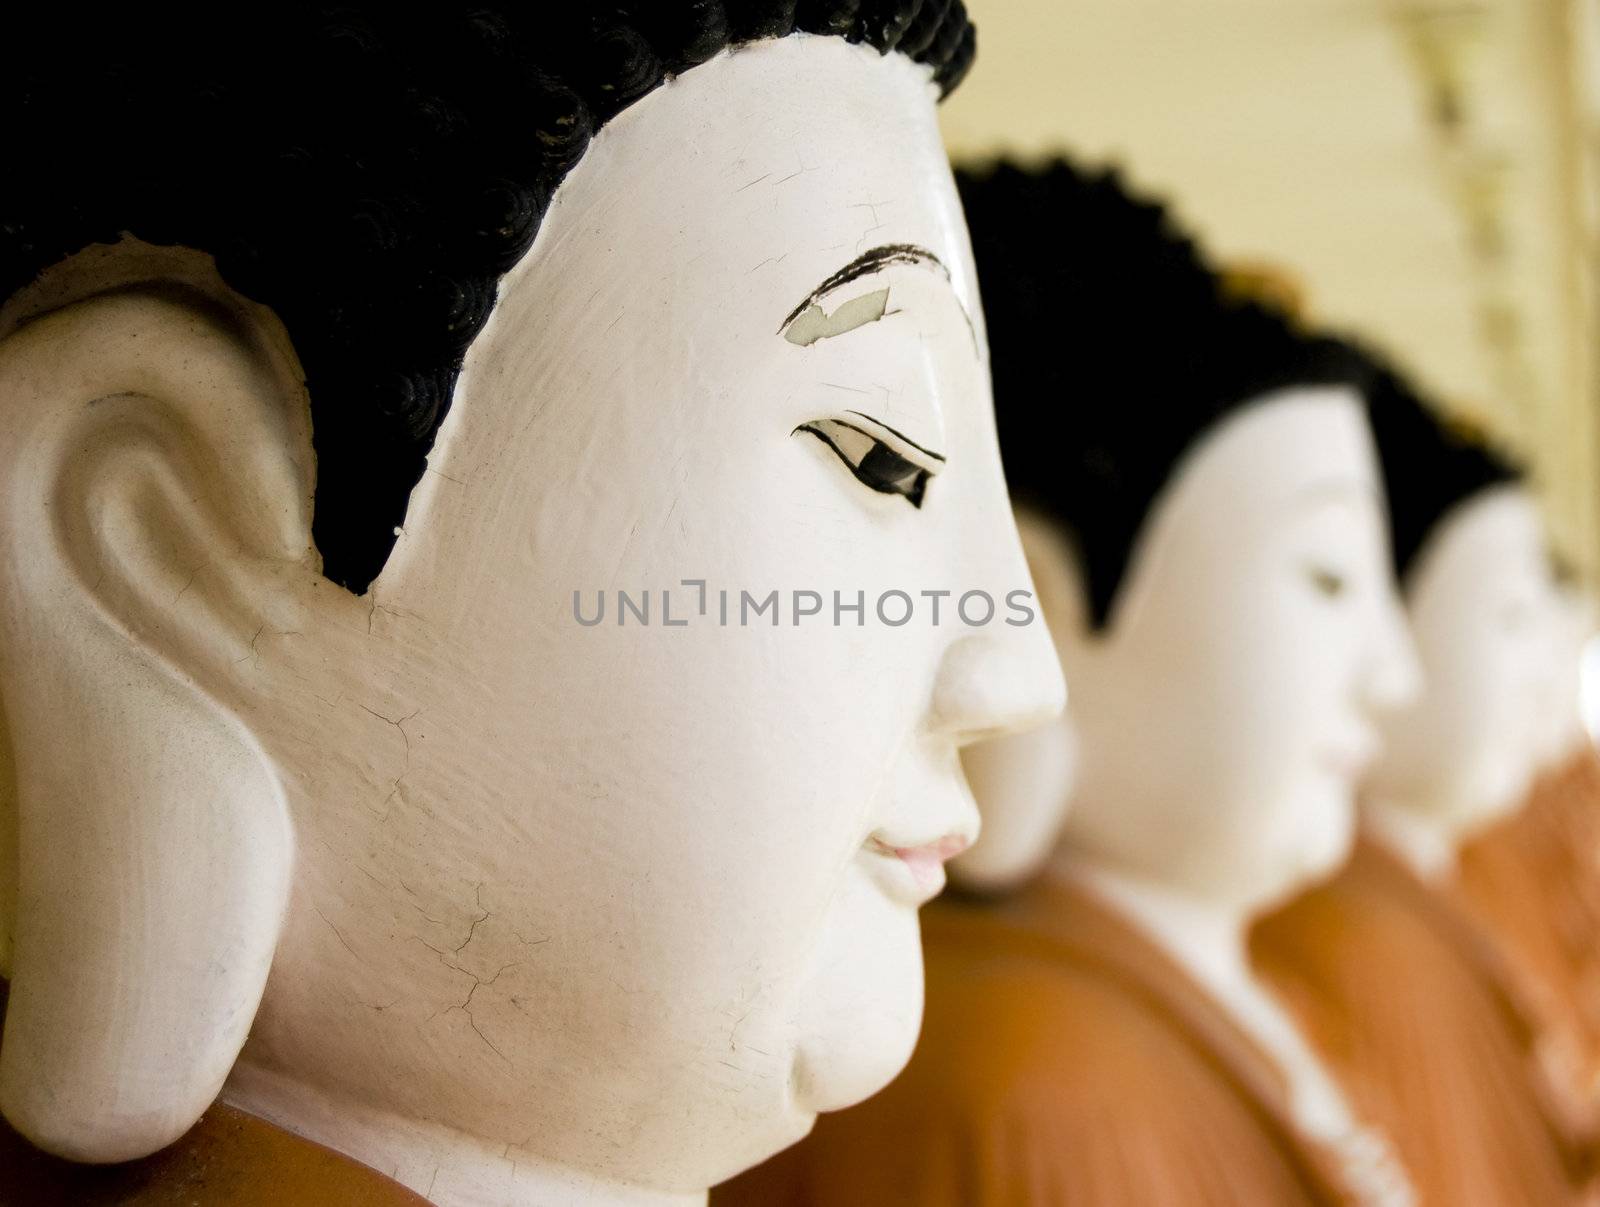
{"type": "Point", "coordinates": [914, 874]}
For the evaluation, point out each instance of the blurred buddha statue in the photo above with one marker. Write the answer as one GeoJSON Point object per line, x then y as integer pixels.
{"type": "Point", "coordinates": [1532, 880]}
{"type": "Point", "coordinates": [343, 347]}
{"type": "Point", "coordinates": [1208, 540]}
{"type": "Point", "coordinates": [1408, 1001]}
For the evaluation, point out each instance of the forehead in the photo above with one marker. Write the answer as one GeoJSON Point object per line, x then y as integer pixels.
{"type": "Point", "coordinates": [1486, 554]}
{"type": "Point", "coordinates": [1496, 538]}
{"type": "Point", "coordinates": [1291, 446]}
{"type": "Point", "coordinates": [758, 174]}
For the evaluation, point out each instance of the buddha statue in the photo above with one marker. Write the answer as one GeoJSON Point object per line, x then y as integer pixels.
{"type": "Point", "coordinates": [350, 356]}
{"type": "Point", "coordinates": [1212, 558]}
{"type": "Point", "coordinates": [1400, 991]}
{"type": "Point", "coordinates": [1531, 880]}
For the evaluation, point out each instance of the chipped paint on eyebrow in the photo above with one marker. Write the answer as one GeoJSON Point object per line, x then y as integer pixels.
{"type": "Point", "coordinates": [864, 264]}
{"type": "Point", "coordinates": [813, 323]}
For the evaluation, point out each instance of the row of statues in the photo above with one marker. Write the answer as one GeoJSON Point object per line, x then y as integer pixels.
{"type": "Point", "coordinates": [350, 355]}
{"type": "Point", "coordinates": [1274, 913]}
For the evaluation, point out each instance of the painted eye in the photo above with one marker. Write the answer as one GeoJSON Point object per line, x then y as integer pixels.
{"type": "Point", "coordinates": [1328, 583]}
{"type": "Point", "coordinates": [879, 463]}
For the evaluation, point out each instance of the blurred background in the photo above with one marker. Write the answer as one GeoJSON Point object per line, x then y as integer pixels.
{"type": "Point", "coordinates": [1423, 172]}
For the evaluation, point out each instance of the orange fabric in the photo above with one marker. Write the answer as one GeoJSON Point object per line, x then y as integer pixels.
{"type": "Point", "coordinates": [228, 1159]}
{"type": "Point", "coordinates": [1533, 884]}
{"type": "Point", "coordinates": [1410, 1011]}
{"type": "Point", "coordinates": [1063, 1060]}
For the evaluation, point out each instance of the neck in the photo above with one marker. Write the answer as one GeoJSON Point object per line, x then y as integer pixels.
{"type": "Point", "coordinates": [1205, 935]}
{"type": "Point", "coordinates": [447, 1167]}
{"type": "Point", "coordinates": [1419, 839]}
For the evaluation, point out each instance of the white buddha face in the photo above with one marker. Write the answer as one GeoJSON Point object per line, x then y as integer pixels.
{"type": "Point", "coordinates": [1571, 629]}
{"type": "Point", "coordinates": [633, 899]}
{"type": "Point", "coordinates": [1483, 608]}
{"type": "Point", "coordinates": [650, 890]}
{"type": "Point", "coordinates": [1227, 708]}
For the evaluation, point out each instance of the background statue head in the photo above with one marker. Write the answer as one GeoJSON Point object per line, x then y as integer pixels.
{"type": "Point", "coordinates": [470, 313]}
{"type": "Point", "coordinates": [1565, 731]}
{"type": "Point", "coordinates": [1218, 581]}
{"type": "Point", "coordinates": [1480, 596]}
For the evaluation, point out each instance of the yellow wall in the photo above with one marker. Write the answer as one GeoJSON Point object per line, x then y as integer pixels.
{"type": "Point", "coordinates": [1425, 169]}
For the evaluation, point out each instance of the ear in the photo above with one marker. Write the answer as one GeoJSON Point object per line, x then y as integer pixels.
{"type": "Point", "coordinates": [154, 502]}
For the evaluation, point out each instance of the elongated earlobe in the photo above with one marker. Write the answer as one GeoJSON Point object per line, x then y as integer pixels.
{"type": "Point", "coordinates": [147, 478]}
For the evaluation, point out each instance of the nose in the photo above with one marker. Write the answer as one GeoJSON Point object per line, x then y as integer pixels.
{"type": "Point", "coordinates": [994, 683]}
{"type": "Point", "coordinates": [1393, 673]}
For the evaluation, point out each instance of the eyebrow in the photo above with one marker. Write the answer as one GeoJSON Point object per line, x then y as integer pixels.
{"type": "Point", "coordinates": [864, 265]}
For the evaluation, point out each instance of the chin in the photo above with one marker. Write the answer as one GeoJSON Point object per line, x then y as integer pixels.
{"type": "Point", "coordinates": [860, 1057]}
{"type": "Point", "coordinates": [1496, 791]}
{"type": "Point", "coordinates": [862, 1010]}
{"type": "Point", "coordinates": [1324, 842]}
{"type": "Point", "coordinates": [1329, 857]}
{"type": "Point", "coordinates": [1494, 798]}
{"type": "Point", "coordinates": [781, 1127]}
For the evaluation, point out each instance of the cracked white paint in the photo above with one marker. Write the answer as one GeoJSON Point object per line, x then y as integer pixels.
{"type": "Point", "coordinates": [519, 911]}
{"type": "Point", "coordinates": [814, 323]}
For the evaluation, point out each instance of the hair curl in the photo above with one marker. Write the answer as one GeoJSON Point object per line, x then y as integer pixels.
{"type": "Point", "coordinates": [367, 170]}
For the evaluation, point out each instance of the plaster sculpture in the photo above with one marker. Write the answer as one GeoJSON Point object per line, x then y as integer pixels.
{"type": "Point", "coordinates": [1212, 557]}
{"type": "Point", "coordinates": [1400, 992]}
{"type": "Point", "coordinates": [1531, 879]}
{"type": "Point", "coordinates": [1482, 606]}
{"type": "Point", "coordinates": [383, 844]}
{"type": "Point", "coordinates": [1229, 707]}
{"type": "Point", "coordinates": [1572, 627]}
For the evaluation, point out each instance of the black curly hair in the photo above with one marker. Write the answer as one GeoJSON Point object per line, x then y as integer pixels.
{"type": "Point", "coordinates": [1097, 302]}
{"type": "Point", "coordinates": [367, 170]}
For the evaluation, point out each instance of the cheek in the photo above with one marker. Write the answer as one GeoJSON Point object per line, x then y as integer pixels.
{"type": "Point", "coordinates": [733, 768]}
{"type": "Point", "coordinates": [1495, 690]}
{"type": "Point", "coordinates": [1488, 733]}
{"type": "Point", "coordinates": [736, 757]}
{"type": "Point", "coordinates": [1298, 676]}
{"type": "Point", "coordinates": [1301, 711]}
{"type": "Point", "coordinates": [862, 1005]}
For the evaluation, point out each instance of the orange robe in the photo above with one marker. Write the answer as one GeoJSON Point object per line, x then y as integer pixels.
{"type": "Point", "coordinates": [1410, 1010]}
{"type": "Point", "coordinates": [1064, 1059]}
{"type": "Point", "coordinates": [227, 1159]}
{"type": "Point", "coordinates": [1533, 884]}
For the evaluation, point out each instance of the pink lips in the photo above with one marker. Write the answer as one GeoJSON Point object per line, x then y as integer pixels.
{"type": "Point", "coordinates": [925, 863]}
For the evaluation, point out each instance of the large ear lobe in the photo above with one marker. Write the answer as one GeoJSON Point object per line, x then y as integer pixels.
{"type": "Point", "coordinates": [154, 514]}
